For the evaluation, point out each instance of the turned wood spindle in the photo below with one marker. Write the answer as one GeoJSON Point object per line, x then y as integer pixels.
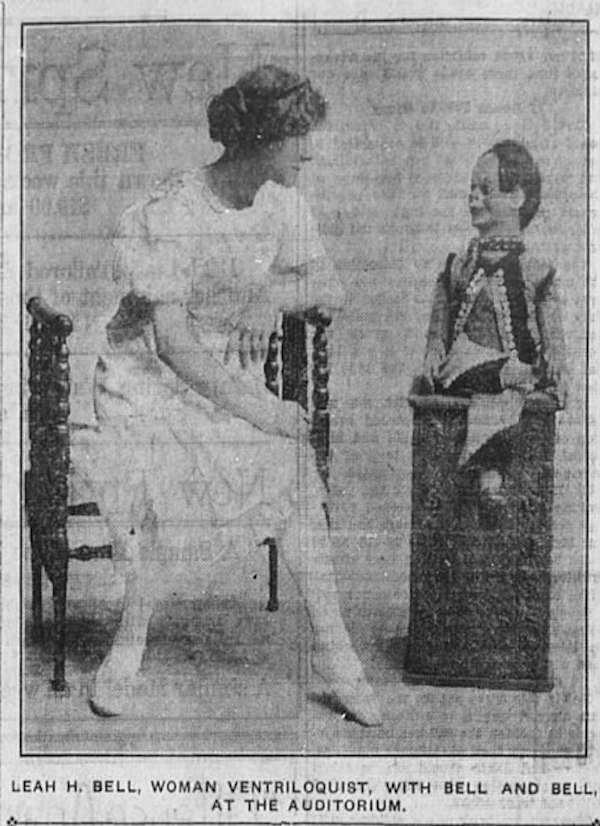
{"type": "Point", "coordinates": [271, 368]}
{"type": "Point", "coordinates": [320, 397]}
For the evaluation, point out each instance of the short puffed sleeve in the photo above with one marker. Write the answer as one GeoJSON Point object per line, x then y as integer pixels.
{"type": "Point", "coordinates": [153, 249]}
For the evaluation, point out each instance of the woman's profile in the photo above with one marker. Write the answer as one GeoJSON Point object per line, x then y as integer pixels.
{"type": "Point", "coordinates": [191, 445]}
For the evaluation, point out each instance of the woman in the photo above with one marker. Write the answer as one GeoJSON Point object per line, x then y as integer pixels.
{"type": "Point", "coordinates": [193, 448]}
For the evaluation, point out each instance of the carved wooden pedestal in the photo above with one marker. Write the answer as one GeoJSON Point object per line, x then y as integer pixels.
{"type": "Point", "coordinates": [480, 584]}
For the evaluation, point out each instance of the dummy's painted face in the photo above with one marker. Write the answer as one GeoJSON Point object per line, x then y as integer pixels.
{"type": "Point", "coordinates": [492, 211]}
{"type": "Point", "coordinates": [285, 159]}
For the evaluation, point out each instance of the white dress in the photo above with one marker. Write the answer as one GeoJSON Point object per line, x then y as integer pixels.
{"type": "Point", "coordinates": [163, 454]}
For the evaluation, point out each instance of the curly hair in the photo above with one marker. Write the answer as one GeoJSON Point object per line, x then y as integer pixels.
{"type": "Point", "coordinates": [516, 168]}
{"type": "Point", "coordinates": [266, 105]}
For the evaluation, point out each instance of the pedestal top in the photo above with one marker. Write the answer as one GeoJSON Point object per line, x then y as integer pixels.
{"type": "Point", "coordinates": [536, 401]}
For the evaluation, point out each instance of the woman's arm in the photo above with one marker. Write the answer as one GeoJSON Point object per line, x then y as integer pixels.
{"type": "Point", "coordinates": [312, 284]}
{"type": "Point", "coordinates": [195, 365]}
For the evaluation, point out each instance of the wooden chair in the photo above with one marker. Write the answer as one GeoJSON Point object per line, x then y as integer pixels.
{"type": "Point", "coordinates": [47, 480]}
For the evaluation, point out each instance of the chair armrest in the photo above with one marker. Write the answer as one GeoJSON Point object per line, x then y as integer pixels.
{"type": "Point", "coordinates": [43, 313]}
{"type": "Point", "coordinates": [315, 316]}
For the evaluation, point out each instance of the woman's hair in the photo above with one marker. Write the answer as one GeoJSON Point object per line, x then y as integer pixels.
{"type": "Point", "coordinates": [263, 107]}
{"type": "Point", "coordinates": [516, 168]}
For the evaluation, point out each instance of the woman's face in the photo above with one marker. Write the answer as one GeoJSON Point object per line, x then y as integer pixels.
{"type": "Point", "coordinates": [492, 211]}
{"type": "Point", "coordinates": [285, 159]}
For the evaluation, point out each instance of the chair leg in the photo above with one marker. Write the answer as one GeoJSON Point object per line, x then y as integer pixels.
{"type": "Point", "coordinates": [327, 516]}
{"type": "Point", "coordinates": [59, 595]}
{"type": "Point", "coordinates": [273, 603]}
{"type": "Point", "coordinates": [36, 564]}
{"type": "Point", "coordinates": [36, 587]}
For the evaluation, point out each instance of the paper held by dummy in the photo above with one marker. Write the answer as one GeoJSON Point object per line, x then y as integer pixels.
{"type": "Point", "coordinates": [488, 413]}
{"type": "Point", "coordinates": [464, 356]}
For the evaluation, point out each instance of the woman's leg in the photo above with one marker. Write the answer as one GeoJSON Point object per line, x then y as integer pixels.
{"type": "Point", "coordinates": [306, 550]}
{"type": "Point", "coordinates": [116, 676]}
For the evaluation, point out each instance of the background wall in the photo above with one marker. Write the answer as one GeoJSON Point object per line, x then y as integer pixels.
{"type": "Point", "coordinates": [111, 109]}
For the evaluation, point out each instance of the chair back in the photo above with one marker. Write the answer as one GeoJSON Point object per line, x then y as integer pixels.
{"type": "Point", "coordinates": [49, 384]}
{"type": "Point", "coordinates": [293, 381]}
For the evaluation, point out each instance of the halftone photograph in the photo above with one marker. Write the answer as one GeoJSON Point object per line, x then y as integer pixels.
{"type": "Point", "coordinates": [304, 343]}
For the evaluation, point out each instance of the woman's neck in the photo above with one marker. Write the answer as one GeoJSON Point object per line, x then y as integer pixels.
{"type": "Point", "coordinates": [235, 181]}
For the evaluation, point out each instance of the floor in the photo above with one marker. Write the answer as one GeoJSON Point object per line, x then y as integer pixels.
{"type": "Point", "coordinates": [223, 676]}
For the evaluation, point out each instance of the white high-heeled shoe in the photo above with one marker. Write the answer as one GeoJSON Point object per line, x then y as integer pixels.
{"type": "Point", "coordinates": [348, 685]}
{"type": "Point", "coordinates": [110, 693]}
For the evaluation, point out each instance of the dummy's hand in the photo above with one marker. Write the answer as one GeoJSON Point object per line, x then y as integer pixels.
{"type": "Point", "coordinates": [515, 374]}
{"type": "Point", "coordinates": [434, 358]}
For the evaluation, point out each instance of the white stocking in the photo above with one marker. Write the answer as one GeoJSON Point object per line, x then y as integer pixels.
{"type": "Point", "coordinates": [115, 678]}
{"type": "Point", "coordinates": [306, 550]}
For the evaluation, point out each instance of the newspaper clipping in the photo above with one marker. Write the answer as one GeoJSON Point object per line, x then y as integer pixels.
{"type": "Point", "coordinates": [299, 414]}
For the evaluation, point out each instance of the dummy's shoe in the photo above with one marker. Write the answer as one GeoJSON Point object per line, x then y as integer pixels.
{"type": "Point", "coordinates": [348, 685]}
{"type": "Point", "coordinates": [491, 491]}
{"type": "Point", "coordinates": [492, 500]}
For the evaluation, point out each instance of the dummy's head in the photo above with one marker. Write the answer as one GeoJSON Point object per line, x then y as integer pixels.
{"type": "Point", "coordinates": [505, 189]}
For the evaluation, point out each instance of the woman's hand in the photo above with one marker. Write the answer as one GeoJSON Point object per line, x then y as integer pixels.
{"type": "Point", "coordinates": [292, 421]}
{"type": "Point", "coordinates": [197, 367]}
{"type": "Point", "coordinates": [248, 344]}
{"type": "Point", "coordinates": [250, 339]}
{"type": "Point", "coordinates": [280, 418]}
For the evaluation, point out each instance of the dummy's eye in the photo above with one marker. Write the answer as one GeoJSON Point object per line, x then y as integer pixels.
{"type": "Point", "coordinates": [485, 189]}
